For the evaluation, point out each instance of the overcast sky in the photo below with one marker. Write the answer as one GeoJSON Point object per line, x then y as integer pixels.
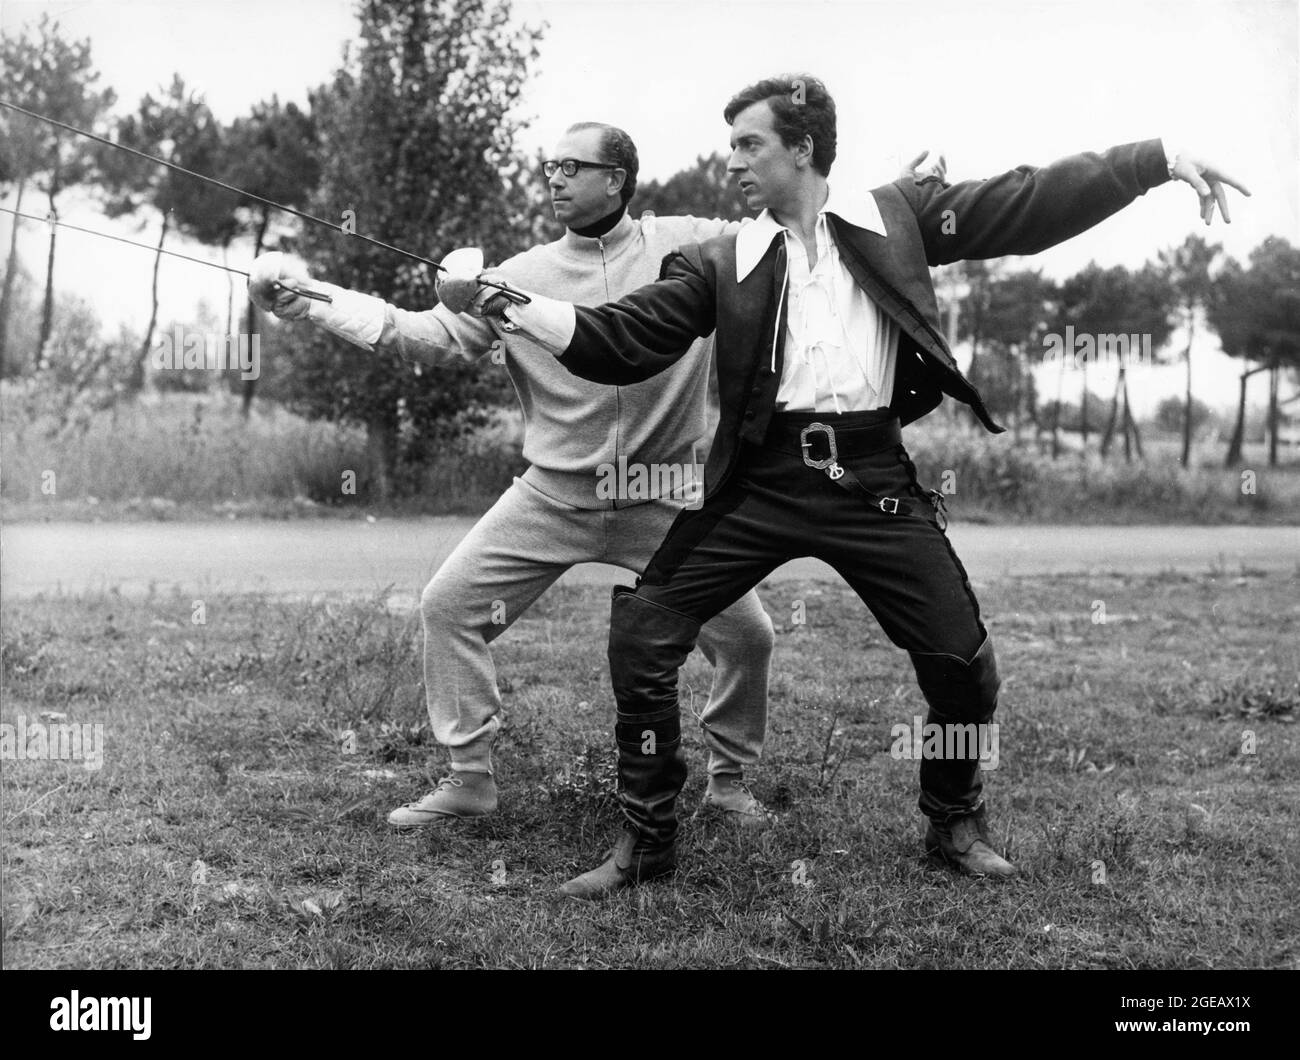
{"type": "Point", "coordinates": [995, 84]}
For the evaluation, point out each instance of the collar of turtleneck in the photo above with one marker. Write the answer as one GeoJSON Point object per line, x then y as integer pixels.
{"type": "Point", "coordinates": [598, 228]}
{"type": "Point", "coordinates": [611, 231]}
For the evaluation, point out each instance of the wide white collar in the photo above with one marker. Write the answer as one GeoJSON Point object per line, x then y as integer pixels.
{"type": "Point", "coordinates": [756, 236]}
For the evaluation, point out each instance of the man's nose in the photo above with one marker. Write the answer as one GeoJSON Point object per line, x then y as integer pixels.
{"type": "Point", "coordinates": [735, 164]}
{"type": "Point", "coordinates": [556, 180]}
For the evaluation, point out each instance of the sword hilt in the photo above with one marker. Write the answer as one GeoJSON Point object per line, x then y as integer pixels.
{"type": "Point", "coordinates": [316, 296]}
{"type": "Point", "coordinates": [518, 297]}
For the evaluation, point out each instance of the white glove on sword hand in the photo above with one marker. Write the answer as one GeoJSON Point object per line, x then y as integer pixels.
{"type": "Point", "coordinates": [461, 287]}
{"type": "Point", "coordinates": [276, 282]}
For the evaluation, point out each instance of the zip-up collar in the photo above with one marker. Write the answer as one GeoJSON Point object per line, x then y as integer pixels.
{"type": "Point", "coordinates": [610, 245]}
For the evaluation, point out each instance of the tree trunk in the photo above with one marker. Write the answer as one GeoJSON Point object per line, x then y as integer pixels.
{"type": "Point", "coordinates": [1056, 415]}
{"type": "Point", "coordinates": [1113, 418]}
{"type": "Point", "coordinates": [139, 374]}
{"type": "Point", "coordinates": [250, 385]}
{"type": "Point", "coordinates": [954, 314]}
{"type": "Point", "coordinates": [230, 289]}
{"type": "Point", "coordinates": [1274, 372]}
{"type": "Point", "coordinates": [381, 447]}
{"type": "Point", "coordinates": [1187, 413]}
{"type": "Point", "coordinates": [47, 307]}
{"type": "Point", "coordinates": [1130, 428]}
{"type": "Point", "coordinates": [973, 370]}
{"type": "Point", "coordinates": [1239, 429]}
{"type": "Point", "coordinates": [1017, 400]}
{"type": "Point", "coordinates": [11, 270]}
{"type": "Point", "coordinates": [1083, 408]}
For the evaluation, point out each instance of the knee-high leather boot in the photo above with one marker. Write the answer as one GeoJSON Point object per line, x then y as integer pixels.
{"type": "Point", "coordinates": [647, 645]}
{"type": "Point", "coordinates": [963, 695]}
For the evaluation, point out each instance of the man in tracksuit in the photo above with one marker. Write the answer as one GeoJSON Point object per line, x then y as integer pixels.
{"type": "Point", "coordinates": [610, 468]}
{"type": "Point", "coordinates": [827, 341]}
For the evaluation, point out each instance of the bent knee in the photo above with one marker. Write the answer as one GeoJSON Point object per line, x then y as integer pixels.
{"type": "Point", "coordinates": [444, 607]}
{"type": "Point", "coordinates": [744, 630]}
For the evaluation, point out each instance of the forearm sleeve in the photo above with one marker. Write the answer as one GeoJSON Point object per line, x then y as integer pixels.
{"type": "Point", "coordinates": [434, 336]}
{"type": "Point", "coordinates": [1030, 209]}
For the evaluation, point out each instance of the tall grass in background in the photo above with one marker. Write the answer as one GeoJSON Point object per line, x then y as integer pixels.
{"type": "Point", "coordinates": [993, 477]}
{"type": "Point", "coordinates": [199, 450]}
{"type": "Point", "coordinates": [184, 448]}
{"type": "Point", "coordinates": [197, 453]}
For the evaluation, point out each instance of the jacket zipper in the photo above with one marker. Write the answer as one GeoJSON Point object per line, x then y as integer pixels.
{"type": "Point", "coordinates": [618, 403]}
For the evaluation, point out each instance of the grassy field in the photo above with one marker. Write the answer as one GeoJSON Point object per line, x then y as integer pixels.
{"type": "Point", "coordinates": [234, 823]}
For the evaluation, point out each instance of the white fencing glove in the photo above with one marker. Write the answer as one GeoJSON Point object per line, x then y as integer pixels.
{"type": "Point", "coordinates": [461, 289]}
{"type": "Point", "coordinates": [276, 283]}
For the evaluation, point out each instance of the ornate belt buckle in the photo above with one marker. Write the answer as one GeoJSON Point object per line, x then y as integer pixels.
{"type": "Point", "coordinates": [805, 446]}
{"type": "Point", "coordinates": [889, 500]}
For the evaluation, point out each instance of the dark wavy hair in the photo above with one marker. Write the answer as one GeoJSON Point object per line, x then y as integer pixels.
{"type": "Point", "coordinates": [801, 107]}
{"type": "Point", "coordinates": [618, 149]}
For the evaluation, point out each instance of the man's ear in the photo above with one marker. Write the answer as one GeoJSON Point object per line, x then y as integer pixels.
{"type": "Point", "coordinates": [804, 150]}
{"type": "Point", "coordinates": [617, 178]}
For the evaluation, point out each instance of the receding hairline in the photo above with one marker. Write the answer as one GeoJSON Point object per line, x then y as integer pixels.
{"type": "Point", "coordinates": [605, 130]}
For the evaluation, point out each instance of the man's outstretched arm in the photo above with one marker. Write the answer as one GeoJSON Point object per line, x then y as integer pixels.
{"type": "Point", "coordinates": [1030, 209]}
{"type": "Point", "coordinates": [627, 341]}
{"type": "Point", "coordinates": [435, 336]}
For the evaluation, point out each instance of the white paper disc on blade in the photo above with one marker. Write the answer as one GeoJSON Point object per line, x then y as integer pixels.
{"type": "Point", "coordinates": [467, 261]}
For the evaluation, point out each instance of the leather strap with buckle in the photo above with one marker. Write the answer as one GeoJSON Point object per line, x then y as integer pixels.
{"type": "Point", "coordinates": [847, 480]}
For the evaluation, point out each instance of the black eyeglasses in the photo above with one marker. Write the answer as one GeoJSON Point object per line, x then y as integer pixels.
{"type": "Point", "coordinates": [570, 166]}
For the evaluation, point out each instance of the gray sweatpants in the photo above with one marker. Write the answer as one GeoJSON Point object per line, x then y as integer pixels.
{"type": "Point", "coordinates": [511, 556]}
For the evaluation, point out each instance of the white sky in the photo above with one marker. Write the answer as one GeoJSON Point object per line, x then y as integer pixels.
{"type": "Point", "coordinates": [995, 84]}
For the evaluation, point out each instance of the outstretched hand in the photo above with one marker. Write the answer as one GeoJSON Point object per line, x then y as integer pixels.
{"type": "Point", "coordinates": [274, 283]}
{"type": "Point", "coordinates": [915, 171]}
{"type": "Point", "coordinates": [490, 301]}
{"type": "Point", "coordinates": [461, 287]}
{"type": "Point", "coordinates": [1207, 180]}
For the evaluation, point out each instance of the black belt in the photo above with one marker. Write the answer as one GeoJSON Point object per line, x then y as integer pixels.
{"type": "Point", "coordinates": [852, 435]}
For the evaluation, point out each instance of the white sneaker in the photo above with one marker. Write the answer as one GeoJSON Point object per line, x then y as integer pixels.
{"type": "Point", "coordinates": [730, 796]}
{"type": "Point", "coordinates": [457, 795]}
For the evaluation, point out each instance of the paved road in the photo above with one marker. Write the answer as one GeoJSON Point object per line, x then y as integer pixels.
{"type": "Point", "coordinates": [308, 557]}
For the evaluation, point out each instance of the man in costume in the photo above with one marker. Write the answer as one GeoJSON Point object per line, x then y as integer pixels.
{"type": "Point", "coordinates": [827, 341]}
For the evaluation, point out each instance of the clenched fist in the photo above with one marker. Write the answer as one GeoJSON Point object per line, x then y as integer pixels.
{"type": "Point", "coordinates": [275, 282]}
